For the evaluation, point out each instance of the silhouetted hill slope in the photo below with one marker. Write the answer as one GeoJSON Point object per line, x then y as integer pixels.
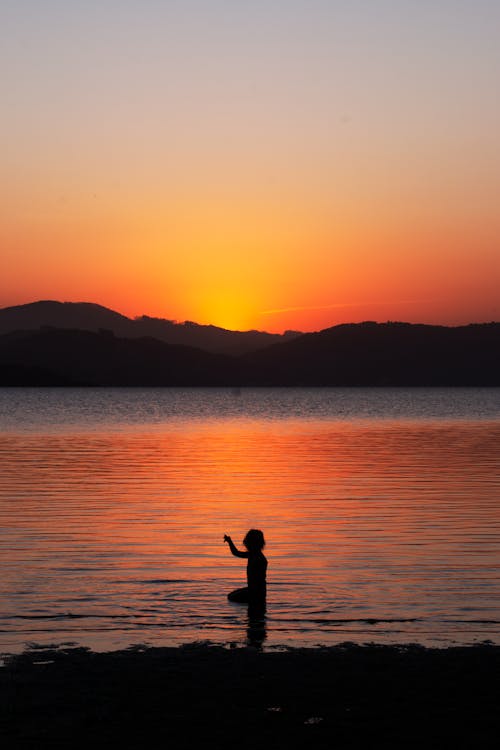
{"type": "Point", "coordinates": [207, 337]}
{"type": "Point", "coordinates": [364, 354]}
{"type": "Point", "coordinates": [74, 357]}
{"type": "Point", "coordinates": [24, 375]}
{"type": "Point", "coordinates": [385, 354]}
{"type": "Point", "coordinates": [83, 315]}
{"type": "Point", "coordinates": [91, 317]}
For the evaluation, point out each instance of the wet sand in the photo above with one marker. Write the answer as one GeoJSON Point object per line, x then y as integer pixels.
{"type": "Point", "coordinates": [342, 697]}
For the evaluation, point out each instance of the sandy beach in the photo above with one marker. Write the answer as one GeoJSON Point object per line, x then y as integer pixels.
{"type": "Point", "coordinates": [343, 697]}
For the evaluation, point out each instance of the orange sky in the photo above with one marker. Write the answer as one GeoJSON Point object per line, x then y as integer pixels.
{"type": "Point", "coordinates": [285, 165]}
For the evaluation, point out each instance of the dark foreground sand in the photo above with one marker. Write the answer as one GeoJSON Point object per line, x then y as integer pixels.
{"type": "Point", "coordinates": [203, 696]}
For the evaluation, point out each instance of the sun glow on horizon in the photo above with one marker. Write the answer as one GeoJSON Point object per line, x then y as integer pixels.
{"type": "Point", "coordinates": [274, 166]}
{"type": "Point", "coordinates": [225, 309]}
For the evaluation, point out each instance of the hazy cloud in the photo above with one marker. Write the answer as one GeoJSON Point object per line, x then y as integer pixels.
{"type": "Point", "coordinates": [340, 305]}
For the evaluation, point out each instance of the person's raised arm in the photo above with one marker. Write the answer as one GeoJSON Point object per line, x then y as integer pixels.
{"type": "Point", "coordinates": [233, 549]}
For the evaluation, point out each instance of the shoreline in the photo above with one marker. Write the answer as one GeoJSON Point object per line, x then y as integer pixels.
{"type": "Point", "coordinates": [344, 696]}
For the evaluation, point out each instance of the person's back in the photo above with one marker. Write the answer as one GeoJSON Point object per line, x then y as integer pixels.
{"type": "Point", "coordinates": [256, 575]}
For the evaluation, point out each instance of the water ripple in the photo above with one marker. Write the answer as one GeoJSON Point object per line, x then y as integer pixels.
{"type": "Point", "coordinates": [377, 527]}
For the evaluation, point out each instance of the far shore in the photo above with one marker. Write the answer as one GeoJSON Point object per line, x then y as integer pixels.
{"type": "Point", "coordinates": [202, 695]}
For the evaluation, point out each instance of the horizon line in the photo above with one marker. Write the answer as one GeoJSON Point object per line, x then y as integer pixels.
{"type": "Point", "coordinates": [278, 310]}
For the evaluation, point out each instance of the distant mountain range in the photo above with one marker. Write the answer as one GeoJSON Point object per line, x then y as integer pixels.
{"type": "Point", "coordinates": [87, 316]}
{"type": "Point", "coordinates": [53, 343]}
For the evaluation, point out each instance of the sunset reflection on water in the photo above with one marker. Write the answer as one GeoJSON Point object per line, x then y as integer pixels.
{"type": "Point", "coordinates": [113, 538]}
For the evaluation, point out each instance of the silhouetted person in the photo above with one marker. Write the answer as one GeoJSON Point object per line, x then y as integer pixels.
{"type": "Point", "coordinates": [255, 593]}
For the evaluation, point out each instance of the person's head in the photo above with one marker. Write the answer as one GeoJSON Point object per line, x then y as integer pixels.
{"type": "Point", "coordinates": [254, 540]}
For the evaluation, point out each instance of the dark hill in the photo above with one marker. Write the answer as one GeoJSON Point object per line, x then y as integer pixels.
{"type": "Point", "coordinates": [91, 317]}
{"type": "Point", "coordinates": [74, 357]}
{"type": "Point", "coordinates": [84, 315]}
{"type": "Point", "coordinates": [385, 354]}
{"type": "Point", "coordinates": [389, 354]}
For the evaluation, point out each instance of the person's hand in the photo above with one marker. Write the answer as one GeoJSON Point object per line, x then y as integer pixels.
{"type": "Point", "coordinates": [227, 538]}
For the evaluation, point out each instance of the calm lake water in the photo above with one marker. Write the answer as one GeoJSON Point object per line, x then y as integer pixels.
{"type": "Point", "coordinates": [381, 510]}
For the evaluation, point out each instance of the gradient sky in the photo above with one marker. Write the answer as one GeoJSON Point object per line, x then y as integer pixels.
{"type": "Point", "coordinates": [271, 165]}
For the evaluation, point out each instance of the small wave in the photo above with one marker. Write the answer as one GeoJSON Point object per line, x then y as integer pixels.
{"type": "Point", "coordinates": [72, 616]}
{"type": "Point", "coordinates": [272, 584]}
{"type": "Point", "coordinates": [342, 620]}
{"type": "Point", "coordinates": [476, 622]}
{"type": "Point", "coordinates": [153, 581]}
